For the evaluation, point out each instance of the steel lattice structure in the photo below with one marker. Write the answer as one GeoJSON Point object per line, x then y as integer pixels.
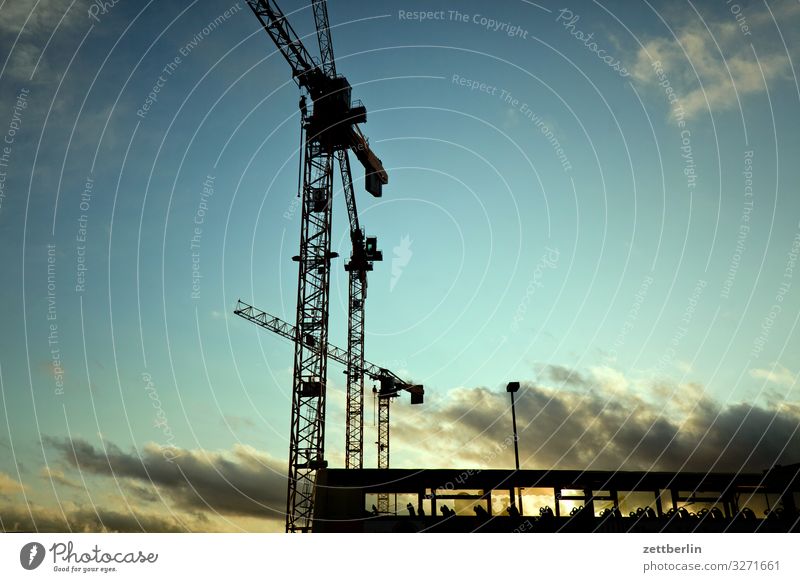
{"type": "Point", "coordinates": [390, 383]}
{"type": "Point", "coordinates": [306, 445]}
{"type": "Point", "coordinates": [384, 404]}
{"type": "Point", "coordinates": [357, 269]}
{"type": "Point", "coordinates": [329, 130]}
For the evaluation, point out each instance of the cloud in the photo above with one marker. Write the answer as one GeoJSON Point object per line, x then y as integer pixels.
{"type": "Point", "coordinates": [606, 421]}
{"type": "Point", "coordinates": [240, 482]}
{"type": "Point", "coordinates": [146, 494]}
{"type": "Point", "coordinates": [58, 476]}
{"type": "Point", "coordinates": [778, 374]}
{"type": "Point", "coordinates": [84, 519]}
{"type": "Point", "coordinates": [41, 19]}
{"type": "Point", "coordinates": [726, 74]}
{"type": "Point", "coordinates": [22, 60]}
{"type": "Point", "coordinates": [565, 375]}
{"type": "Point", "coordinates": [39, 23]}
{"type": "Point", "coordinates": [9, 486]}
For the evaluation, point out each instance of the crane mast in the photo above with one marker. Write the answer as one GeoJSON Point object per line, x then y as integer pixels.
{"type": "Point", "coordinates": [329, 130]}
{"type": "Point", "coordinates": [384, 405]}
{"type": "Point", "coordinates": [363, 254]}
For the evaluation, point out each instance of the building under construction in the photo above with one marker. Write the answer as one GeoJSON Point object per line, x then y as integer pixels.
{"type": "Point", "coordinates": [474, 500]}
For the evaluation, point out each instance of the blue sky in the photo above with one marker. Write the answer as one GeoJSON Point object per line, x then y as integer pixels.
{"type": "Point", "coordinates": [619, 235]}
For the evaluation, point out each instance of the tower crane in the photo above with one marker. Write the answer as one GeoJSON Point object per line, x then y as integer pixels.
{"type": "Point", "coordinates": [328, 131]}
{"type": "Point", "coordinates": [391, 385]}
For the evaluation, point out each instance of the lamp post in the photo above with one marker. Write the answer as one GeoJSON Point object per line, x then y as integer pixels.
{"type": "Point", "coordinates": [511, 388]}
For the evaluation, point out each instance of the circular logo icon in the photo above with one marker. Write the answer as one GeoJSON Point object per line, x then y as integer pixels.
{"type": "Point", "coordinates": [31, 555]}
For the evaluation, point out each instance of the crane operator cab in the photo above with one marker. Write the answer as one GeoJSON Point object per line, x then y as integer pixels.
{"type": "Point", "coordinates": [334, 114]}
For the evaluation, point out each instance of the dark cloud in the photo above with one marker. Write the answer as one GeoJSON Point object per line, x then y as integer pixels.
{"type": "Point", "coordinates": [242, 482]}
{"type": "Point", "coordinates": [147, 494]}
{"type": "Point", "coordinates": [565, 375]}
{"type": "Point", "coordinates": [83, 519]}
{"type": "Point", "coordinates": [599, 420]}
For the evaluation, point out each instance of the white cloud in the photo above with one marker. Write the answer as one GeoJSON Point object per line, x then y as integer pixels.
{"type": "Point", "coordinates": [777, 375]}
{"type": "Point", "coordinates": [707, 77]}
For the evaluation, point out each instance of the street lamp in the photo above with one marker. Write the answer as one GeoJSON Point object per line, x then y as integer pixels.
{"type": "Point", "coordinates": [511, 388]}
